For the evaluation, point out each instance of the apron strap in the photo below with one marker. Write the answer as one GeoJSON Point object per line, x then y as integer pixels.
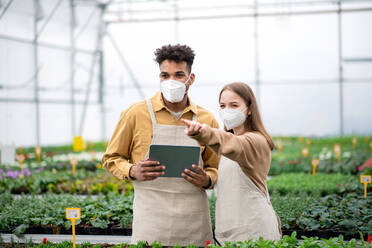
{"type": "Point", "coordinates": [152, 114]}
{"type": "Point", "coordinates": [267, 195]}
{"type": "Point", "coordinates": [151, 111]}
{"type": "Point", "coordinates": [195, 115]}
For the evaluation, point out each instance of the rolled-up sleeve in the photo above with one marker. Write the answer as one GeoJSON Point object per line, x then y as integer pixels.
{"type": "Point", "coordinates": [117, 154]}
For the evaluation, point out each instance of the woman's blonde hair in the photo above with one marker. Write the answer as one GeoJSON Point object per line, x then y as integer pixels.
{"type": "Point", "coordinates": [253, 121]}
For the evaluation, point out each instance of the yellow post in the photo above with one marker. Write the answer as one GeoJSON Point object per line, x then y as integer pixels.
{"type": "Point", "coordinates": [38, 153]}
{"type": "Point", "coordinates": [315, 163]}
{"type": "Point", "coordinates": [73, 163]}
{"type": "Point", "coordinates": [365, 190]}
{"type": "Point", "coordinates": [280, 147]}
{"type": "Point", "coordinates": [20, 159]}
{"type": "Point", "coordinates": [305, 152]}
{"type": "Point", "coordinates": [73, 233]}
{"type": "Point", "coordinates": [370, 145]}
{"type": "Point", "coordinates": [73, 214]}
{"type": "Point", "coordinates": [300, 139]}
{"type": "Point", "coordinates": [354, 142]}
{"type": "Point", "coordinates": [337, 150]}
{"type": "Point", "coordinates": [366, 138]}
{"type": "Point", "coordinates": [365, 179]}
{"type": "Point", "coordinates": [308, 143]}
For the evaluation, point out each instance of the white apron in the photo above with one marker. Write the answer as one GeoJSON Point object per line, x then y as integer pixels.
{"type": "Point", "coordinates": [243, 211]}
{"type": "Point", "coordinates": [170, 210]}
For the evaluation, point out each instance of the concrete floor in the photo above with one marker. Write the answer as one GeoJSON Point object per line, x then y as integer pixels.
{"type": "Point", "coordinates": [93, 239]}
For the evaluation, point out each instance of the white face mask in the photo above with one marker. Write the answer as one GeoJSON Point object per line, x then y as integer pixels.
{"type": "Point", "coordinates": [232, 118]}
{"type": "Point", "coordinates": [173, 90]}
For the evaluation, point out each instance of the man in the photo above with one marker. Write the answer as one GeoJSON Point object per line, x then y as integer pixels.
{"type": "Point", "coordinates": [169, 210]}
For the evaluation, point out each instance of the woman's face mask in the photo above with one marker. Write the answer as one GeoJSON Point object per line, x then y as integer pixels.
{"type": "Point", "coordinates": [232, 118]}
{"type": "Point", "coordinates": [173, 90]}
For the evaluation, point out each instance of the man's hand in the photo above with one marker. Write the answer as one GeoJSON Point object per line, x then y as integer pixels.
{"type": "Point", "coordinates": [146, 170]}
{"type": "Point", "coordinates": [192, 127]}
{"type": "Point", "coordinates": [199, 178]}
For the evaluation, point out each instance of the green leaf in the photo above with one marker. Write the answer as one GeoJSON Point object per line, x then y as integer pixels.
{"type": "Point", "coordinates": [20, 230]}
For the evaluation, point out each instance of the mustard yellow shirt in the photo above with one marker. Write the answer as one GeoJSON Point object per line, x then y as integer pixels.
{"type": "Point", "coordinates": [133, 134]}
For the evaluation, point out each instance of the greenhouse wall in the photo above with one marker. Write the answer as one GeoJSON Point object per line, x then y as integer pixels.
{"type": "Point", "coordinates": [293, 70]}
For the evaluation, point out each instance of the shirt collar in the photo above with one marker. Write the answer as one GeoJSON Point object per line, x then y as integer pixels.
{"type": "Point", "coordinates": [158, 104]}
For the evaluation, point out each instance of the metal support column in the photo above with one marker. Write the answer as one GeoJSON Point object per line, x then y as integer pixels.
{"type": "Point", "coordinates": [340, 69]}
{"type": "Point", "coordinates": [126, 65]}
{"type": "Point", "coordinates": [72, 65]}
{"type": "Point", "coordinates": [256, 54]}
{"type": "Point", "coordinates": [36, 81]}
{"type": "Point", "coordinates": [85, 105]}
{"type": "Point", "coordinates": [176, 21]}
{"type": "Point", "coordinates": [101, 79]}
{"type": "Point", "coordinates": [5, 8]}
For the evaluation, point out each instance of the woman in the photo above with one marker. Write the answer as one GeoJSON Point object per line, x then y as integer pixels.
{"type": "Point", "coordinates": [243, 208]}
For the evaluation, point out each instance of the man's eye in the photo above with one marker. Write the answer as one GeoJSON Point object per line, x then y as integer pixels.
{"type": "Point", "coordinates": [179, 75]}
{"type": "Point", "coordinates": [163, 76]}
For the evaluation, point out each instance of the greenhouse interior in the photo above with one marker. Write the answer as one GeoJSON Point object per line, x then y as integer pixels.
{"type": "Point", "coordinates": [117, 114]}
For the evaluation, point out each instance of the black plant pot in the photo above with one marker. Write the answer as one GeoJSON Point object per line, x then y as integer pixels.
{"type": "Point", "coordinates": [117, 231]}
{"type": "Point", "coordinates": [34, 230]}
{"type": "Point", "coordinates": [95, 231]}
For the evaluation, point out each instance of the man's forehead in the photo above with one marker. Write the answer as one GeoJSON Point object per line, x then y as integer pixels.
{"type": "Point", "coordinates": [173, 65]}
{"type": "Point", "coordinates": [176, 71]}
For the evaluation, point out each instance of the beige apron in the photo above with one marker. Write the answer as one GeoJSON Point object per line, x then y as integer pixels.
{"type": "Point", "coordinates": [170, 210]}
{"type": "Point", "coordinates": [243, 211]}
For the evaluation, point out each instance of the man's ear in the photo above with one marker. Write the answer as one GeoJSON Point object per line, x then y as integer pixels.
{"type": "Point", "coordinates": [192, 78]}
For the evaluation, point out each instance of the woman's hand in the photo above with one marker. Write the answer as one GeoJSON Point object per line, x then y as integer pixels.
{"type": "Point", "coordinates": [193, 127]}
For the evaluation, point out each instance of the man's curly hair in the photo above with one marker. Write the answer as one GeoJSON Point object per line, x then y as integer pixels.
{"type": "Point", "coordinates": [176, 53]}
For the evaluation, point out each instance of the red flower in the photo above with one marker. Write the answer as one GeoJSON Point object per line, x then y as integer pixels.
{"type": "Point", "coordinates": [208, 243]}
{"type": "Point", "coordinates": [367, 164]}
{"type": "Point", "coordinates": [369, 240]}
{"type": "Point", "coordinates": [292, 162]}
{"type": "Point", "coordinates": [44, 241]}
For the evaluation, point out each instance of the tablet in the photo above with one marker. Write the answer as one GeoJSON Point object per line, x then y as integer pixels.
{"type": "Point", "coordinates": [175, 158]}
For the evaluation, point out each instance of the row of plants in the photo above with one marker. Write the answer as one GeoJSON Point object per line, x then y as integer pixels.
{"type": "Point", "coordinates": [41, 181]}
{"type": "Point", "coordinates": [63, 149]}
{"type": "Point", "coordinates": [290, 147]}
{"type": "Point", "coordinates": [288, 241]}
{"type": "Point", "coordinates": [59, 162]}
{"type": "Point", "coordinates": [351, 163]}
{"type": "Point", "coordinates": [85, 182]}
{"type": "Point", "coordinates": [47, 213]}
{"type": "Point", "coordinates": [320, 184]}
{"type": "Point", "coordinates": [349, 214]}
{"type": "Point", "coordinates": [289, 152]}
